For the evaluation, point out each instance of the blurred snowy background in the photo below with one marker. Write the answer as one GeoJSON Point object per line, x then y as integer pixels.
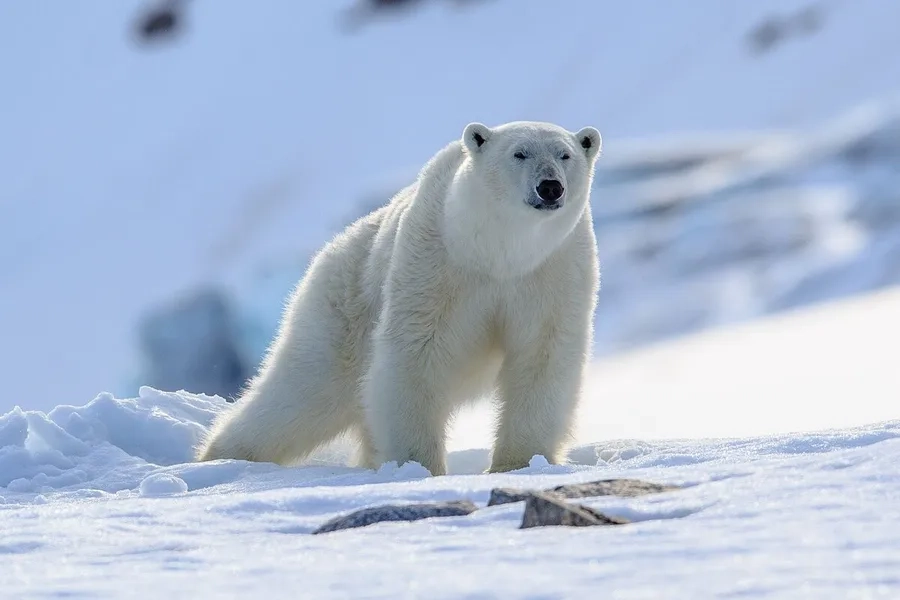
{"type": "Point", "coordinates": [169, 167]}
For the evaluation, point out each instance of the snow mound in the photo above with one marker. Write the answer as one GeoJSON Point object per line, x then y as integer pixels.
{"type": "Point", "coordinates": [162, 484]}
{"type": "Point", "coordinates": [104, 444]}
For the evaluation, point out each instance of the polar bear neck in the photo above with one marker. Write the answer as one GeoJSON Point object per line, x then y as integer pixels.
{"type": "Point", "coordinates": [498, 236]}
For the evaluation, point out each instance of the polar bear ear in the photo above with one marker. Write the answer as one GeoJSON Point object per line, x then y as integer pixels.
{"type": "Point", "coordinates": [475, 135]}
{"type": "Point", "coordinates": [589, 141]}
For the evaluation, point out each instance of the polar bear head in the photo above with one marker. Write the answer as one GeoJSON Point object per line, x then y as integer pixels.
{"type": "Point", "coordinates": [538, 167]}
{"type": "Point", "coordinates": [516, 193]}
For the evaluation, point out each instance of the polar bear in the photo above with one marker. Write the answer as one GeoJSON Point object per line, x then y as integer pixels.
{"type": "Point", "coordinates": [480, 278]}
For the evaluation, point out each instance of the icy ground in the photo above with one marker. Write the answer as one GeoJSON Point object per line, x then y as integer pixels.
{"type": "Point", "coordinates": [814, 515]}
{"type": "Point", "coordinates": [97, 500]}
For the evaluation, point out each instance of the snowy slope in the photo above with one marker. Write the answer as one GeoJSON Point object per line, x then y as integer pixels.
{"type": "Point", "coordinates": [692, 234]}
{"type": "Point", "coordinates": [97, 499]}
{"type": "Point", "coordinates": [130, 175]}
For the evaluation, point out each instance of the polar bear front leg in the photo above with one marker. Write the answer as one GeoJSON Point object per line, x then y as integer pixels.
{"type": "Point", "coordinates": [539, 387]}
{"type": "Point", "coordinates": [407, 412]}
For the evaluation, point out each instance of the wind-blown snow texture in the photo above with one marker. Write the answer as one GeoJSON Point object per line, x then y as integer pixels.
{"type": "Point", "coordinates": [97, 506]}
{"type": "Point", "coordinates": [98, 500]}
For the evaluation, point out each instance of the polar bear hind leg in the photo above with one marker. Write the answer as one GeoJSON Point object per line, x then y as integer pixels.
{"type": "Point", "coordinates": [297, 403]}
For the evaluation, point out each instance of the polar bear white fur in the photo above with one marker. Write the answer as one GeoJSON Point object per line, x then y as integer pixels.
{"type": "Point", "coordinates": [479, 278]}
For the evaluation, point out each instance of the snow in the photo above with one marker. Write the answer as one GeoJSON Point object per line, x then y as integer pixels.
{"type": "Point", "coordinates": [162, 484]}
{"type": "Point", "coordinates": [132, 174]}
{"type": "Point", "coordinates": [788, 488]}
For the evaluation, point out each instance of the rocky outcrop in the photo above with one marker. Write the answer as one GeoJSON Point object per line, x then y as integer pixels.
{"type": "Point", "coordinates": [543, 508]}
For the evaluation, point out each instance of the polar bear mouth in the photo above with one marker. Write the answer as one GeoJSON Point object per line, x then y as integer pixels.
{"type": "Point", "coordinates": [544, 205]}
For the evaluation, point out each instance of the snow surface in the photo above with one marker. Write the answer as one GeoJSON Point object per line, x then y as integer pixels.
{"type": "Point", "coordinates": [131, 174]}
{"type": "Point", "coordinates": [98, 501]}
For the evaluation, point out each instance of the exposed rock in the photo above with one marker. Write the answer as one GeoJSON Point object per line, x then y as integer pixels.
{"type": "Point", "coordinates": [507, 495]}
{"type": "Point", "coordinates": [629, 488]}
{"type": "Point", "coordinates": [608, 487]}
{"type": "Point", "coordinates": [542, 508]}
{"type": "Point", "coordinates": [545, 510]}
{"type": "Point", "coordinates": [398, 512]}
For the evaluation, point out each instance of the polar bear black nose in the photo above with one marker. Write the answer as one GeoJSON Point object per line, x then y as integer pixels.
{"type": "Point", "coordinates": [550, 190]}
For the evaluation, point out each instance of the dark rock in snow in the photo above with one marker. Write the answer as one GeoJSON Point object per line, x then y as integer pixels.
{"type": "Point", "coordinates": [542, 508]}
{"type": "Point", "coordinates": [546, 510]}
{"type": "Point", "coordinates": [608, 487]}
{"type": "Point", "coordinates": [613, 487]}
{"type": "Point", "coordinates": [507, 495]}
{"type": "Point", "coordinates": [398, 512]}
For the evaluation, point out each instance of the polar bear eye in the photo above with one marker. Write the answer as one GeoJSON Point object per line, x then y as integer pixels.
{"type": "Point", "coordinates": [520, 155]}
{"type": "Point", "coordinates": [565, 156]}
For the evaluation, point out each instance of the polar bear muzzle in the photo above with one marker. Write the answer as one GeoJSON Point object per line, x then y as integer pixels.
{"type": "Point", "coordinates": [549, 194]}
